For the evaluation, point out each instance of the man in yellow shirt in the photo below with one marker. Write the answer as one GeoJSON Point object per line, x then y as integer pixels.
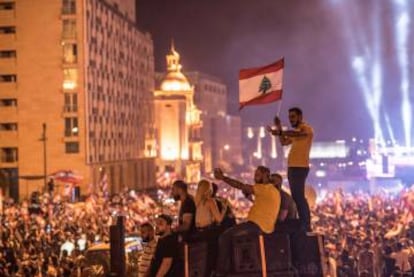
{"type": "Point", "coordinates": [300, 138]}
{"type": "Point", "coordinates": [261, 218]}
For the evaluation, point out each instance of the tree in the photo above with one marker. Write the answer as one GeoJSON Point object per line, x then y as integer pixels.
{"type": "Point", "coordinates": [265, 85]}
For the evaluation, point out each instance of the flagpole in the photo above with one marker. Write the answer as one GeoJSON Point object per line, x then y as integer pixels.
{"type": "Point", "coordinates": [280, 107]}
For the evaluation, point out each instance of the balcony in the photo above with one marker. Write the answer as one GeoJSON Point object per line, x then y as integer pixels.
{"type": "Point", "coordinates": [8, 165]}
{"type": "Point", "coordinates": [70, 108]}
{"type": "Point", "coordinates": [69, 35]}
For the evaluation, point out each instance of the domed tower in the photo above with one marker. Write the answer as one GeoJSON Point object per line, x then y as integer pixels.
{"type": "Point", "coordinates": [178, 122]}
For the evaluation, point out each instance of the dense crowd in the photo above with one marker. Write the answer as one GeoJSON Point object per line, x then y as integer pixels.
{"type": "Point", "coordinates": [365, 235]}
{"type": "Point", "coordinates": [47, 236]}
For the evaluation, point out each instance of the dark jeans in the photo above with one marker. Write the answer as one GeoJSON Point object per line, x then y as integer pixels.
{"type": "Point", "coordinates": [297, 178]}
{"type": "Point", "coordinates": [225, 244]}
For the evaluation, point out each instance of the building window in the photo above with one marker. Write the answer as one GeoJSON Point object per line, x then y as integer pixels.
{"type": "Point", "coordinates": [69, 7]}
{"type": "Point", "coordinates": [70, 78]}
{"type": "Point", "coordinates": [72, 147]}
{"type": "Point", "coordinates": [7, 54]}
{"type": "Point", "coordinates": [8, 126]}
{"type": "Point", "coordinates": [8, 155]}
{"type": "Point", "coordinates": [7, 29]}
{"type": "Point", "coordinates": [69, 29]}
{"type": "Point", "coordinates": [71, 103]}
{"type": "Point", "coordinates": [10, 78]}
{"type": "Point", "coordinates": [8, 102]}
{"type": "Point", "coordinates": [70, 53]}
{"type": "Point", "coordinates": [7, 6]}
{"type": "Point", "coordinates": [71, 126]}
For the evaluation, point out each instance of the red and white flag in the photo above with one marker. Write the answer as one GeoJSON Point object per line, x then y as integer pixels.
{"type": "Point", "coordinates": [105, 185]}
{"type": "Point", "coordinates": [261, 85]}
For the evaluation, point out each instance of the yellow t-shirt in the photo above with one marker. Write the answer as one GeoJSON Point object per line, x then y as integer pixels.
{"type": "Point", "coordinates": [265, 208]}
{"type": "Point", "coordinates": [300, 147]}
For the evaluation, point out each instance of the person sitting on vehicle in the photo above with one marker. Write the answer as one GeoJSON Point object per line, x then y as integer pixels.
{"type": "Point", "coordinates": [261, 218]}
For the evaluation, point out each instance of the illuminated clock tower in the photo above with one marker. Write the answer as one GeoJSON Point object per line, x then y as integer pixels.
{"type": "Point", "coordinates": [178, 123]}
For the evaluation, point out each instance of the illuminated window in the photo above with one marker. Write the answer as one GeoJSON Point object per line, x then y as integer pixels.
{"type": "Point", "coordinates": [70, 53]}
{"type": "Point", "coordinates": [71, 126]}
{"type": "Point", "coordinates": [70, 78]}
{"type": "Point", "coordinates": [72, 147]}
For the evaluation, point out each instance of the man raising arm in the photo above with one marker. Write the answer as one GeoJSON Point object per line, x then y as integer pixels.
{"type": "Point", "coordinates": [300, 138]}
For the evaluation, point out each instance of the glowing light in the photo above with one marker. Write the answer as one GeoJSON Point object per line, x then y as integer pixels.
{"type": "Point", "coordinates": [320, 173]}
{"type": "Point", "coordinates": [226, 147]}
{"type": "Point", "coordinates": [274, 152]}
{"type": "Point", "coordinates": [401, 2]}
{"type": "Point", "coordinates": [184, 154]}
{"type": "Point", "coordinates": [69, 85]}
{"type": "Point", "coordinates": [250, 134]}
{"type": "Point", "coordinates": [389, 128]}
{"type": "Point", "coordinates": [402, 33]}
{"type": "Point", "coordinates": [358, 64]}
{"type": "Point", "coordinates": [175, 85]}
{"type": "Point", "coordinates": [259, 148]}
{"type": "Point", "coordinates": [262, 133]}
{"type": "Point", "coordinates": [169, 153]}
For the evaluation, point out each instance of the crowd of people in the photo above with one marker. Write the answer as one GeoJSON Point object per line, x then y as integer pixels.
{"type": "Point", "coordinates": [47, 236]}
{"type": "Point", "coordinates": [367, 235]}
{"type": "Point", "coordinates": [364, 234]}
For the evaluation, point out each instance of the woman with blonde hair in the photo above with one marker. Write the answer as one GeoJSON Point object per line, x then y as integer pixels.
{"type": "Point", "coordinates": [207, 212]}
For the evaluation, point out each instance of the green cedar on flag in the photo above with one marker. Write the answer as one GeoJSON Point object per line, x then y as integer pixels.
{"type": "Point", "coordinates": [265, 85]}
{"type": "Point", "coordinates": [261, 85]}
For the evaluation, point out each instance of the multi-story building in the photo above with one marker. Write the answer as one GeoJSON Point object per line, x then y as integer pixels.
{"type": "Point", "coordinates": [178, 123]}
{"type": "Point", "coordinates": [221, 132]}
{"type": "Point", "coordinates": [76, 84]}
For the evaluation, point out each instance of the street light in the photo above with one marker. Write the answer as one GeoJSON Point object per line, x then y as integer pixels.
{"type": "Point", "coordinates": [44, 139]}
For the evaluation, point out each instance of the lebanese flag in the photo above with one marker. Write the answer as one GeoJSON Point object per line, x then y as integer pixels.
{"type": "Point", "coordinates": [261, 85]}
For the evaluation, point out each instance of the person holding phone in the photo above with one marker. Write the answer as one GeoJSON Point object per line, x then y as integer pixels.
{"type": "Point", "coordinates": [300, 139]}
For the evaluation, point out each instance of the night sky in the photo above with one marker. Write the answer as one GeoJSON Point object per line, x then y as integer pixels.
{"type": "Point", "coordinates": [220, 37]}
